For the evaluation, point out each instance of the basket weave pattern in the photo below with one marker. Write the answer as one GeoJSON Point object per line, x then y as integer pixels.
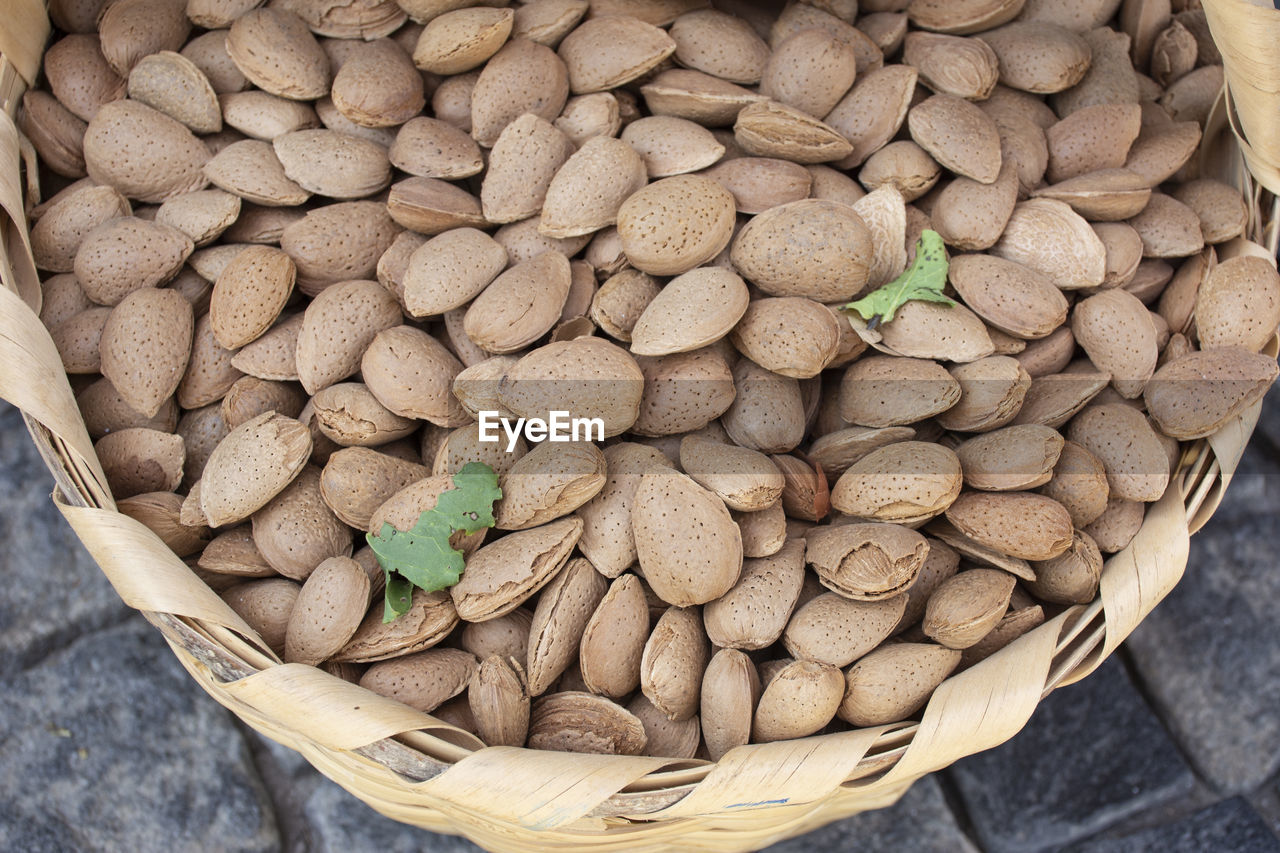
{"type": "Point", "coordinates": [419, 770]}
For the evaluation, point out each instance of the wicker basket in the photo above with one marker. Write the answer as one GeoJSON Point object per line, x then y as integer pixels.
{"type": "Point", "coordinates": [419, 770]}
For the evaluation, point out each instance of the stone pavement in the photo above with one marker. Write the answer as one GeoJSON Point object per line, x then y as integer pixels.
{"type": "Point", "coordinates": [1173, 745]}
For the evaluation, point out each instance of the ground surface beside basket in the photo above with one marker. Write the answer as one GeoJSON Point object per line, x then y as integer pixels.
{"type": "Point", "coordinates": [105, 744]}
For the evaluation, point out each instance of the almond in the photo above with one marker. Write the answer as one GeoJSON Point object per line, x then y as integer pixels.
{"type": "Point", "coordinates": [266, 606]}
{"type": "Point", "coordinates": [461, 40]}
{"type": "Point", "coordinates": [951, 65]}
{"type": "Point", "coordinates": [958, 135]}
{"type": "Point", "coordinates": [249, 295]}
{"type": "Point", "coordinates": [1118, 524]}
{"type": "Point", "coordinates": [524, 160]}
{"type": "Point", "coordinates": [208, 52]}
{"type": "Point", "coordinates": [771, 129]}
{"type": "Point", "coordinates": [607, 539]}
{"type": "Point", "coordinates": [1197, 394]}
{"type": "Point", "coordinates": [1021, 524]}
{"type": "Point", "coordinates": [589, 376]}
{"type": "Point", "coordinates": [209, 373]}
{"type": "Point", "coordinates": [873, 111]}
{"type": "Point", "coordinates": [349, 415]}
{"type": "Point", "coordinates": [767, 413]}
{"type": "Point", "coordinates": [759, 183]}
{"type": "Point", "coordinates": [660, 243]}
{"type": "Point", "coordinates": [430, 618]}
{"type": "Point", "coordinates": [499, 700]}
{"type": "Point", "coordinates": [730, 691]}
{"type": "Point", "coordinates": [424, 680]}
{"type": "Point", "coordinates": [1056, 397]}
{"type": "Point", "coordinates": [327, 612]}
{"type": "Point", "coordinates": [522, 77]}
{"type": "Point", "coordinates": [719, 44]}
{"type": "Point", "coordinates": [814, 248]}
{"type": "Point", "coordinates": [587, 191]}
{"type": "Point", "coordinates": [1238, 304]}
{"type": "Point", "coordinates": [693, 310]}
{"type": "Point", "coordinates": [798, 701]}
{"type": "Point", "coordinates": [673, 662]}
{"type": "Point", "coordinates": [1168, 228]}
{"type": "Point", "coordinates": [810, 345]}
{"type": "Point", "coordinates": [744, 479]}
{"type": "Point", "coordinates": [1052, 239]}
{"type": "Point", "coordinates": [580, 722]}
{"type": "Point", "coordinates": [1079, 483]}
{"type": "Point", "coordinates": [79, 76]}
{"type": "Point", "coordinates": [56, 133]}
{"type": "Point", "coordinates": [78, 340]}
{"type": "Point", "coordinates": [833, 630]}
{"type": "Point", "coordinates": [378, 86]}
{"type": "Point", "coordinates": [1115, 329]}
{"type": "Point", "coordinates": [173, 84]}
{"type": "Point", "coordinates": [698, 97]}
{"type": "Point", "coordinates": [811, 71]}
{"type": "Point", "coordinates": [432, 148]}
{"type": "Point", "coordinates": [564, 609]}
{"type": "Point", "coordinates": [1038, 57]}
{"type": "Point", "coordinates": [56, 236]}
{"type": "Point", "coordinates": [683, 392]}
{"type": "Point", "coordinates": [618, 303]}
{"type": "Point", "coordinates": [275, 50]}
{"type": "Point", "coordinates": [159, 511]}
{"type": "Point", "coordinates": [333, 164]}
{"type": "Point", "coordinates": [924, 479]}
{"type": "Point", "coordinates": [678, 526]}
{"type": "Point", "coordinates": [1102, 196]}
{"type": "Point", "coordinates": [882, 391]}
{"type": "Point", "coordinates": [614, 639]}
{"type": "Point", "coordinates": [549, 482]}
{"type": "Point", "coordinates": [250, 169]}
{"type": "Point", "coordinates": [1072, 576]}
{"type": "Point", "coordinates": [264, 116]}
{"type": "Point", "coordinates": [132, 29]}
{"type": "Point", "coordinates": [1219, 206]}
{"type": "Point", "coordinates": [511, 312]}
{"type": "Point", "coordinates": [360, 309]}
{"type": "Point", "coordinates": [253, 464]}
{"type": "Point", "coordinates": [506, 637]}
{"type": "Point", "coordinates": [145, 346]}
{"type": "Point", "coordinates": [357, 480]}
{"type": "Point", "coordinates": [142, 152]}
{"type": "Point", "coordinates": [338, 243]}
{"type": "Point", "coordinates": [503, 575]}
{"type": "Point", "coordinates": [410, 373]}
{"type": "Point", "coordinates": [138, 460]}
{"type": "Point", "coordinates": [1009, 459]}
{"type": "Point", "coordinates": [894, 682]}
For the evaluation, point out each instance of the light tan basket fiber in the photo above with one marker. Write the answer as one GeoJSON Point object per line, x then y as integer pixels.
{"type": "Point", "coordinates": [417, 769]}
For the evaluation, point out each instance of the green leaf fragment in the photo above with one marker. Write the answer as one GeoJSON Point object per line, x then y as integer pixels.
{"type": "Point", "coordinates": [924, 280]}
{"type": "Point", "coordinates": [422, 555]}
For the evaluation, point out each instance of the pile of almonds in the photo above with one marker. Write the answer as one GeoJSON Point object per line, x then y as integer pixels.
{"type": "Point", "coordinates": [296, 248]}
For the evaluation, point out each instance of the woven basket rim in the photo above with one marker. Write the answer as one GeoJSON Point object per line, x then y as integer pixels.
{"type": "Point", "coordinates": [404, 775]}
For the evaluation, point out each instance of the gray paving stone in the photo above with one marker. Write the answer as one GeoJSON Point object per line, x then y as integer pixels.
{"type": "Point", "coordinates": [109, 745]}
{"type": "Point", "coordinates": [1208, 655]}
{"type": "Point", "coordinates": [920, 822]}
{"type": "Point", "coordinates": [1228, 826]}
{"type": "Point", "coordinates": [52, 589]}
{"type": "Point", "coordinates": [1266, 802]}
{"type": "Point", "coordinates": [339, 823]}
{"type": "Point", "coordinates": [1093, 753]}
